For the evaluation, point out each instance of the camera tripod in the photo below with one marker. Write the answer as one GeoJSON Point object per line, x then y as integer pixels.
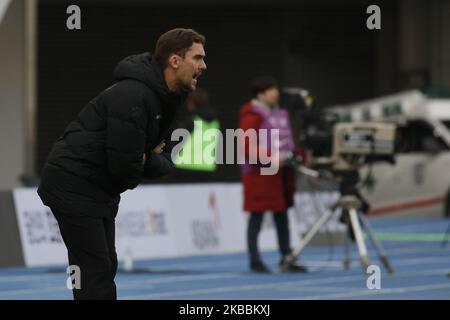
{"type": "Point", "coordinates": [350, 203]}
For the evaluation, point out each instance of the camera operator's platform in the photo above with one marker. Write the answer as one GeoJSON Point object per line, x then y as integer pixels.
{"type": "Point", "coordinates": [415, 247]}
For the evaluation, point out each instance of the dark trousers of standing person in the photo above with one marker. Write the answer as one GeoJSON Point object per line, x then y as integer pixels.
{"type": "Point", "coordinates": [90, 245]}
{"type": "Point", "coordinates": [254, 226]}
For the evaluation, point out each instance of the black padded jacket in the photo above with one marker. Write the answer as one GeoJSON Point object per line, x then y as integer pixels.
{"type": "Point", "coordinates": [101, 151]}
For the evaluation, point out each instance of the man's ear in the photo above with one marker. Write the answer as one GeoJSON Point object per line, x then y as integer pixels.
{"type": "Point", "coordinates": [174, 61]}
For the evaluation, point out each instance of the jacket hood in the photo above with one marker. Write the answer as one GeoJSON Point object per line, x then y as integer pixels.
{"type": "Point", "coordinates": [144, 68]}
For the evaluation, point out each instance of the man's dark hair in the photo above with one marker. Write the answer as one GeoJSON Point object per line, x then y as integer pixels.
{"type": "Point", "coordinates": [262, 84]}
{"type": "Point", "coordinates": [176, 41]}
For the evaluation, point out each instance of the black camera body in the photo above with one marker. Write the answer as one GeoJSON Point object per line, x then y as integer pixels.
{"type": "Point", "coordinates": [313, 127]}
{"type": "Point", "coordinates": [317, 131]}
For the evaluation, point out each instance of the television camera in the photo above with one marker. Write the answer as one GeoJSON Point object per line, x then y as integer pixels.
{"type": "Point", "coordinates": [339, 148]}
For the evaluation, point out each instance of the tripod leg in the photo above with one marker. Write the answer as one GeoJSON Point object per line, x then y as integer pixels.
{"type": "Point", "coordinates": [346, 261]}
{"type": "Point", "coordinates": [306, 239]}
{"type": "Point", "coordinates": [445, 240]}
{"type": "Point", "coordinates": [377, 245]}
{"type": "Point", "coordinates": [359, 238]}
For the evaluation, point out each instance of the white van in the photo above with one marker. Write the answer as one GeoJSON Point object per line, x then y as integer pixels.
{"type": "Point", "coordinates": [419, 182]}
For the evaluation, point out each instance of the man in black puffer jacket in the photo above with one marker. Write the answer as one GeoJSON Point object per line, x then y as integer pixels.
{"type": "Point", "coordinates": [118, 139]}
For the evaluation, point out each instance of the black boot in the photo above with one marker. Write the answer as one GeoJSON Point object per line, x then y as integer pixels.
{"type": "Point", "coordinates": [294, 266]}
{"type": "Point", "coordinates": [259, 267]}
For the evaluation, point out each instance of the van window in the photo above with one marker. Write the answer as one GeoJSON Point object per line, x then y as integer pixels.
{"type": "Point", "coordinates": [418, 136]}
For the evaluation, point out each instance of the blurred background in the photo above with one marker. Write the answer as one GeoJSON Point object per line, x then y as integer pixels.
{"type": "Point", "coordinates": [48, 73]}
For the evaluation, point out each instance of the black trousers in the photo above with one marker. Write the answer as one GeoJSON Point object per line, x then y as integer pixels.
{"type": "Point", "coordinates": [90, 245]}
{"type": "Point", "coordinates": [254, 226]}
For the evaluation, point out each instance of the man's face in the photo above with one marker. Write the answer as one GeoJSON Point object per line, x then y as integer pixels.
{"type": "Point", "coordinates": [191, 67]}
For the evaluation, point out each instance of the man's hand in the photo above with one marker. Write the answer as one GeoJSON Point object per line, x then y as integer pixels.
{"type": "Point", "coordinates": [159, 148]}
